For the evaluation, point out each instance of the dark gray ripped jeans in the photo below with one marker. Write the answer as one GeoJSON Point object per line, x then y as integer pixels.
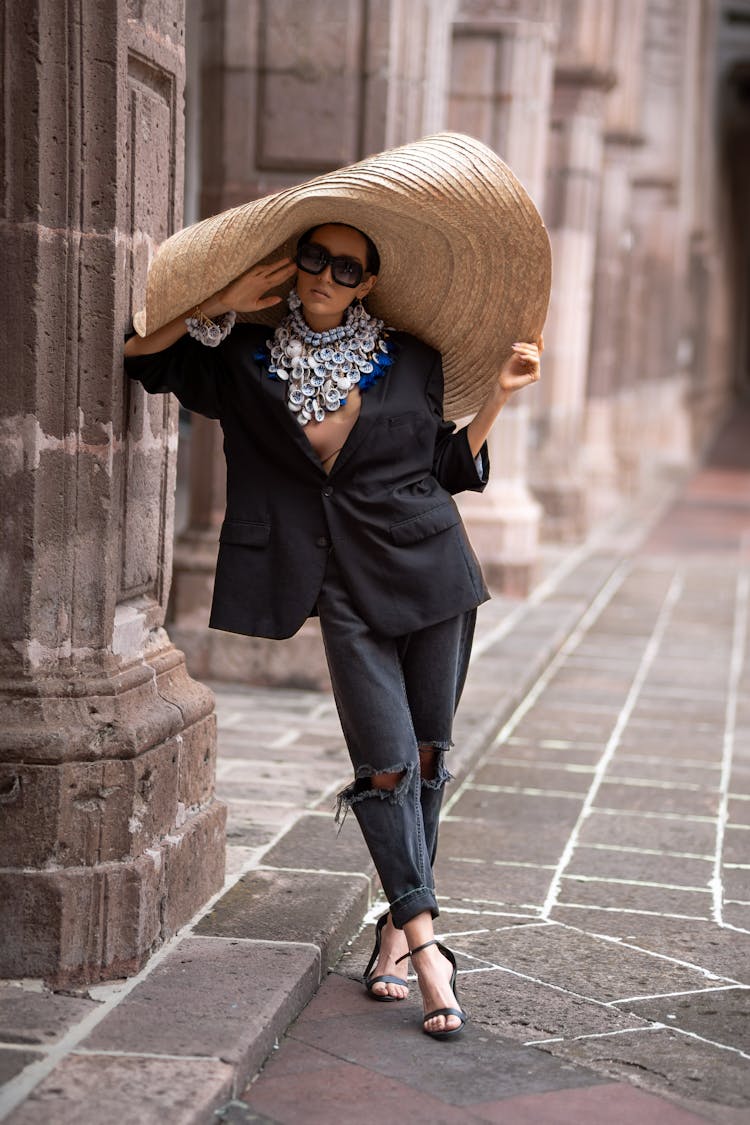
{"type": "Point", "coordinates": [395, 694]}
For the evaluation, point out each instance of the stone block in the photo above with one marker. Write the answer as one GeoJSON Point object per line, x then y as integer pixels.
{"type": "Point", "coordinates": [197, 762]}
{"type": "Point", "coordinates": [565, 778]}
{"type": "Point", "coordinates": [518, 808]}
{"type": "Point", "coordinates": [13, 1062]}
{"type": "Point", "coordinates": [581, 963]}
{"type": "Point", "coordinates": [473, 62]}
{"type": "Point", "coordinates": [611, 894]}
{"type": "Point", "coordinates": [318, 909]}
{"type": "Point", "coordinates": [658, 833]}
{"type": "Point", "coordinates": [667, 1062]}
{"type": "Point", "coordinates": [82, 813]}
{"type": "Point", "coordinates": [194, 861]}
{"type": "Point", "coordinates": [615, 1103]}
{"type": "Point", "coordinates": [721, 954]}
{"type": "Point", "coordinates": [314, 842]}
{"type": "Point", "coordinates": [717, 1015]}
{"type": "Point", "coordinates": [623, 864]}
{"type": "Point", "coordinates": [28, 1016]}
{"type": "Point", "coordinates": [298, 662]}
{"type": "Point", "coordinates": [129, 1090]}
{"type": "Point", "coordinates": [214, 996]}
{"type": "Point", "coordinates": [509, 839]}
{"type": "Point", "coordinates": [81, 924]}
{"type": "Point", "coordinates": [525, 887]}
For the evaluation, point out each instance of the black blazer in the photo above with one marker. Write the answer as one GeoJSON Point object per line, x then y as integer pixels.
{"type": "Point", "coordinates": [386, 507]}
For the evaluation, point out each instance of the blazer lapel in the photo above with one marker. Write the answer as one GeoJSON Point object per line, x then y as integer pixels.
{"type": "Point", "coordinates": [372, 400]}
{"type": "Point", "coordinates": [276, 390]}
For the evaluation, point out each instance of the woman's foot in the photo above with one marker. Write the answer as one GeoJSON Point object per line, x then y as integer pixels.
{"type": "Point", "coordinates": [393, 945]}
{"type": "Point", "coordinates": [434, 973]}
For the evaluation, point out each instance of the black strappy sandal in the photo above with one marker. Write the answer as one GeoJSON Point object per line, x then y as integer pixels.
{"type": "Point", "coordinates": [386, 978]}
{"type": "Point", "coordinates": [441, 1011]}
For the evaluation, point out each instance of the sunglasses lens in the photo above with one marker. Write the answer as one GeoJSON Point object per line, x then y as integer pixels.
{"type": "Point", "coordinates": [312, 258]}
{"type": "Point", "coordinates": [346, 271]}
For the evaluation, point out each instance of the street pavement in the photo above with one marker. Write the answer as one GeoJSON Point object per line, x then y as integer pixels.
{"type": "Point", "coordinates": [594, 879]}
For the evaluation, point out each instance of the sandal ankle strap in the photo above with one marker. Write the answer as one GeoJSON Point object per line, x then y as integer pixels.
{"type": "Point", "coordinates": [433, 941]}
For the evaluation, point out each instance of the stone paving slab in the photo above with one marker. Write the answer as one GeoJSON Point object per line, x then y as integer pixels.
{"type": "Point", "coordinates": [720, 1015]}
{"type": "Point", "coordinates": [37, 1015]}
{"type": "Point", "coordinates": [317, 843]}
{"type": "Point", "coordinates": [361, 1074]}
{"type": "Point", "coordinates": [468, 1070]}
{"type": "Point", "coordinates": [664, 1061]}
{"type": "Point", "coordinates": [12, 1062]}
{"type": "Point", "coordinates": [216, 998]}
{"type": "Point", "coordinates": [310, 908]}
{"type": "Point", "coordinates": [101, 1089]}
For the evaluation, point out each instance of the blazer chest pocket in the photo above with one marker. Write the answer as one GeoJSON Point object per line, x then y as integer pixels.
{"type": "Point", "coordinates": [436, 519]}
{"type": "Point", "coordinates": [245, 534]}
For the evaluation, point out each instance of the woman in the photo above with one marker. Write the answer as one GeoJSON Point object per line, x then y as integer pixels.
{"type": "Point", "coordinates": [340, 476]}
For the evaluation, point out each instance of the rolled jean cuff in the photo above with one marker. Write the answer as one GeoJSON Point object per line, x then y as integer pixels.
{"type": "Point", "coordinates": [414, 902]}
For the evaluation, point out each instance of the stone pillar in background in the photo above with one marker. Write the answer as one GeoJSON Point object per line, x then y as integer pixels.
{"type": "Point", "coordinates": [610, 379]}
{"type": "Point", "coordinates": [571, 210]}
{"type": "Point", "coordinates": [720, 253]}
{"type": "Point", "coordinates": [288, 91]}
{"type": "Point", "coordinates": [110, 835]}
{"type": "Point", "coordinates": [654, 427]}
{"type": "Point", "coordinates": [501, 80]}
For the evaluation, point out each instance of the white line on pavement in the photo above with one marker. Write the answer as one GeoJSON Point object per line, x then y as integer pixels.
{"type": "Point", "coordinates": [737, 661]}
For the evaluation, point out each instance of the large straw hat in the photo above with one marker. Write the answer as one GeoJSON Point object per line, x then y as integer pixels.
{"type": "Point", "coordinates": [465, 258]}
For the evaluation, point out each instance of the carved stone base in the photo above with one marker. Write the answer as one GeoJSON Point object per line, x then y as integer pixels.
{"type": "Point", "coordinates": [298, 662]}
{"type": "Point", "coordinates": [74, 925]}
{"type": "Point", "coordinates": [110, 834]}
{"type": "Point", "coordinates": [503, 526]}
{"type": "Point", "coordinates": [564, 504]}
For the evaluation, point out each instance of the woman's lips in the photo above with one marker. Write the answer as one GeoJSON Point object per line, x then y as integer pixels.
{"type": "Point", "coordinates": [321, 293]}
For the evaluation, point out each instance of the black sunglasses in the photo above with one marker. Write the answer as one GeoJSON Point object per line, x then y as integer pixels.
{"type": "Point", "coordinates": [313, 258]}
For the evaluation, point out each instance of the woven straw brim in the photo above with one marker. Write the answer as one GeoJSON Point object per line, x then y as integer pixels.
{"type": "Point", "coordinates": [465, 258]}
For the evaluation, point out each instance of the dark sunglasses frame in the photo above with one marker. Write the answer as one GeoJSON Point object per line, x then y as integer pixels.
{"type": "Point", "coordinates": [327, 259]}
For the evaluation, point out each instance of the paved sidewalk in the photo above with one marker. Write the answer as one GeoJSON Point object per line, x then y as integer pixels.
{"type": "Point", "coordinates": [594, 873]}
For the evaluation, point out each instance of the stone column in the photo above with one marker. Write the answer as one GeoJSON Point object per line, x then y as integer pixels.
{"type": "Point", "coordinates": [110, 835]}
{"type": "Point", "coordinates": [501, 79]}
{"type": "Point", "coordinates": [610, 465]}
{"type": "Point", "coordinates": [288, 91]}
{"type": "Point", "coordinates": [582, 79]}
{"type": "Point", "coordinates": [654, 430]}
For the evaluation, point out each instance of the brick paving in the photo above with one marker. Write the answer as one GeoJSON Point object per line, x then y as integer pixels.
{"type": "Point", "coordinates": [594, 879]}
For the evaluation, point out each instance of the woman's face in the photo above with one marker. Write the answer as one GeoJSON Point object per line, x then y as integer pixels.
{"type": "Point", "coordinates": [324, 302]}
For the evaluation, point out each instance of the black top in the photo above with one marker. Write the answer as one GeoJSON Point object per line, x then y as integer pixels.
{"type": "Point", "coordinates": [386, 507]}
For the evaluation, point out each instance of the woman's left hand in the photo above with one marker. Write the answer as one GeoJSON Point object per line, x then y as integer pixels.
{"type": "Point", "coordinates": [522, 367]}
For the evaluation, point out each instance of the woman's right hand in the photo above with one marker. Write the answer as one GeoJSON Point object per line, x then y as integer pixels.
{"type": "Point", "coordinates": [247, 293]}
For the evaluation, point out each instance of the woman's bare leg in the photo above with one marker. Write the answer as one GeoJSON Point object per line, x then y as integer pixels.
{"type": "Point", "coordinates": [433, 973]}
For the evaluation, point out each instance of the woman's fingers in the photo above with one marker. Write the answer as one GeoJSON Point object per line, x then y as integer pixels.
{"type": "Point", "coordinates": [284, 265]}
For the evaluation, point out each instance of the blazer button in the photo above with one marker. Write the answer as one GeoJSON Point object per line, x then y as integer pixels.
{"type": "Point", "coordinates": [322, 541]}
{"type": "Point", "coordinates": [328, 490]}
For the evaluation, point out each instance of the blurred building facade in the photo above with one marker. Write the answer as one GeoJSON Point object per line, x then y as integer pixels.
{"type": "Point", "coordinates": [615, 115]}
{"type": "Point", "coordinates": [629, 123]}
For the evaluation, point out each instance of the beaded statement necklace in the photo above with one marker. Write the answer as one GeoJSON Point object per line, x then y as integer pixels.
{"type": "Point", "coordinates": [320, 368]}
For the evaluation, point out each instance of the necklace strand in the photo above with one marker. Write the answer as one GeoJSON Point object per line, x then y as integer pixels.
{"type": "Point", "coordinates": [320, 368]}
